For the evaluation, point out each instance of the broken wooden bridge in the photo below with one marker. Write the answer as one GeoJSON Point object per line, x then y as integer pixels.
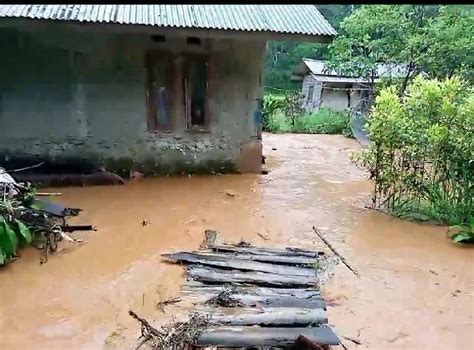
{"type": "Point", "coordinates": [254, 296]}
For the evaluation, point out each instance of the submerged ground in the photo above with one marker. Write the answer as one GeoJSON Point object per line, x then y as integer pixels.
{"type": "Point", "coordinates": [415, 289]}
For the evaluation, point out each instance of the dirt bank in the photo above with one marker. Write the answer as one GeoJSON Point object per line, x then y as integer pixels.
{"type": "Point", "coordinates": [415, 290]}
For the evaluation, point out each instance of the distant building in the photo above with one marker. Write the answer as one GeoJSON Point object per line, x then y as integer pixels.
{"type": "Point", "coordinates": [322, 88]}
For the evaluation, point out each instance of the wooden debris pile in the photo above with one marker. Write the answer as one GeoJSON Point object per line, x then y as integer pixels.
{"type": "Point", "coordinates": [257, 297]}
{"type": "Point", "coordinates": [25, 219]}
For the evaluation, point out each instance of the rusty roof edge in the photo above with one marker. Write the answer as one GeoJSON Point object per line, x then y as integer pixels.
{"type": "Point", "coordinates": [83, 14]}
{"type": "Point", "coordinates": [173, 29]}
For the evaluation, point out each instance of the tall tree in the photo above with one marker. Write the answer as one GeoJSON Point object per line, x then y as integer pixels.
{"type": "Point", "coordinates": [450, 43]}
{"type": "Point", "coordinates": [371, 35]}
{"type": "Point", "coordinates": [420, 38]}
{"type": "Point", "coordinates": [283, 56]}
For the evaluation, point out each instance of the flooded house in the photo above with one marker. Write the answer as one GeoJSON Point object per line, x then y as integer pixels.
{"type": "Point", "coordinates": [325, 88]}
{"type": "Point", "coordinates": [158, 89]}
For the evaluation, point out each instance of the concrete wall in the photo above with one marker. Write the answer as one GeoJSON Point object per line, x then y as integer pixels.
{"type": "Point", "coordinates": [80, 96]}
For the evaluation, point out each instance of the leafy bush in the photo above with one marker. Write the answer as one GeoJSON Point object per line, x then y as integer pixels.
{"type": "Point", "coordinates": [422, 154]}
{"type": "Point", "coordinates": [462, 233]}
{"type": "Point", "coordinates": [13, 233]}
{"type": "Point", "coordinates": [278, 123]}
{"type": "Point", "coordinates": [283, 113]}
{"type": "Point", "coordinates": [271, 104]}
{"type": "Point", "coordinates": [325, 121]}
{"type": "Point", "coordinates": [292, 106]}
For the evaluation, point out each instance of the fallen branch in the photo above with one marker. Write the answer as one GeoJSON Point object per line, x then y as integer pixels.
{"type": "Point", "coordinates": [167, 302]}
{"type": "Point", "coordinates": [25, 168]}
{"type": "Point", "coordinates": [147, 329]}
{"type": "Point", "coordinates": [48, 194]}
{"type": "Point", "coordinates": [264, 237]}
{"type": "Point", "coordinates": [335, 252]}
{"type": "Point", "coordinates": [355, 341]}
{"type": "Point", "coordinates": [175, 335]}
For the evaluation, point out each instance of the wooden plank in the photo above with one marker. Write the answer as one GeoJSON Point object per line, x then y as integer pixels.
{"type": "Point", "coordinates": [244, 265]}
{"type": "Point", "coordinates": [219, 276]}
{"type": "Point", "coordinates": [197, 287]}
{"type": "Point", "coordinates": [258, 336]}
{"type": "Point", "coordinates": [263, 300]}
{"type": "Point", "coordinates": [279, 301]}
{"type": "Point", "coordinates": [266, 251]}
{"type": "Point", "coordinates": [278, 316]}
{"type": "Point", "coordinates": [274, 259]}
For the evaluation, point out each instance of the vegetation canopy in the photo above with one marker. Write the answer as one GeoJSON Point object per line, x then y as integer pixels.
{"type": "Point", "coordinates": [422, 151]}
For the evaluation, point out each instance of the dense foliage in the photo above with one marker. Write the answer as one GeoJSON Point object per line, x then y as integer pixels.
{"type": "Point", "coordinates": [422, 151]}
{"type": "Point", "coordinates": [284, 114]}
{"type": "Point", "coordinates": [420, 38]}
{"type": "Point", "coordinates": [283, 56]}
{"type": "Point", "coordinates": [433, 39]}
{"type": "Point", "coordinates": [13, 231]}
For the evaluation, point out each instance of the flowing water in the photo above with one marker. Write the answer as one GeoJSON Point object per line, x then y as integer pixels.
{"type": "Point", "coordinates": [415, 289]}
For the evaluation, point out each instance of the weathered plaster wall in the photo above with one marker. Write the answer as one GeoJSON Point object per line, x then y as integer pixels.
{"type": "Point", "coordinates": [327, 95]}
{"type": "Point", "coordinates": [81, 97]}
{"type": "Point", "coordinates": [334, 99]}
{"type": "Point", "coordinates": [311, 103]}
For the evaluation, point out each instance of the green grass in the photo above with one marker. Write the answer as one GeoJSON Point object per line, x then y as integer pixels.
{"type": "Point", "coordinates": [325, 121]}
{"type": "Point", "coordinates": [278, 123]}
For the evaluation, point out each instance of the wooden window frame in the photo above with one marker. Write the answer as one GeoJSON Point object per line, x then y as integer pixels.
{"type": "Point", "coordinates": [310, 95]}
{"type": "Point", "coordinates": [153, 125]}
{"type": "Point", "coordinates": [187, 81]}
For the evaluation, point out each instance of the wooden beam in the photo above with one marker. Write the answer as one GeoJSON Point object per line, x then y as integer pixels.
{"type": "Point", "coordinates": [279, 301]}
{"type": "Point", "coordinates": [274, 259]}
{"type": "Point", "coordinates": [197, 287]}
{"type": "Point", "coordinates": [266, 251]}
{"type": "Point", "coordinates": [240, 264]}
{"type": "Point", "coordinates": [218, 276]}
{"type": "Point", "coordinates": [269, 316]}
{"type": "Point", "coordinates": [257, 336]}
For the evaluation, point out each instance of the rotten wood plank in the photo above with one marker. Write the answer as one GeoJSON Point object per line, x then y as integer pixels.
{"type": "Point", "coordinates": [274, 317]}
{"type": "Point", "coordinates": [238, 264]}
{"type": "Point", "coordinates": [219, 276]}
{"type": "Point", "coordinates": [266, 251]}
{"type": "Point", "coordinates": [258, 336]}
{"type": "Point", "coordinates": [197, 287]}
{"type": "Point", "coordinates": [274, 259]}
{"type": "Point", "coordinates": [279, 301]}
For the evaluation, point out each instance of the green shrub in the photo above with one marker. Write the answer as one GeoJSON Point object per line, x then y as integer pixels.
{"type": "Point", "coordinates": [278, 123]}
{"type": "Point", "coordinates": [422, 151]}
{"type": "Point", "coordinates": [462, 233]}
{"type": "Point", "coordinates": [325, 121]}
{"type": "Point", "coordinates": [271, 105]}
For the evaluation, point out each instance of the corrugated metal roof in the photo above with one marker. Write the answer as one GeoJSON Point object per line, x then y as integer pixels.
{"type": "Point", "coordinates": [287, 19]}
{"type": "Point", "coordinates": [316, 67]}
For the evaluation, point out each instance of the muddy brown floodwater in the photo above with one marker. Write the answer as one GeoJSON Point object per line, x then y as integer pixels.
{"type": "Point", "coordinates": [415, 290]}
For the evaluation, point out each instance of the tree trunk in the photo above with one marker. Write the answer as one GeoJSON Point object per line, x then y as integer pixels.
{"type": "Point", "coordinates": [407, 78]}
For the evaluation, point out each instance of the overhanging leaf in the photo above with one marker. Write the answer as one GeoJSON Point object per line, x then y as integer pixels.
{"type": "Point", "coordinates": [8, 238]}
{"type": "Point", "coordinates": [3, 257]}
{"type": "Point", "coordinates": [463, 237]}
{"type": "Point", "coordinates": [23, 231]}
